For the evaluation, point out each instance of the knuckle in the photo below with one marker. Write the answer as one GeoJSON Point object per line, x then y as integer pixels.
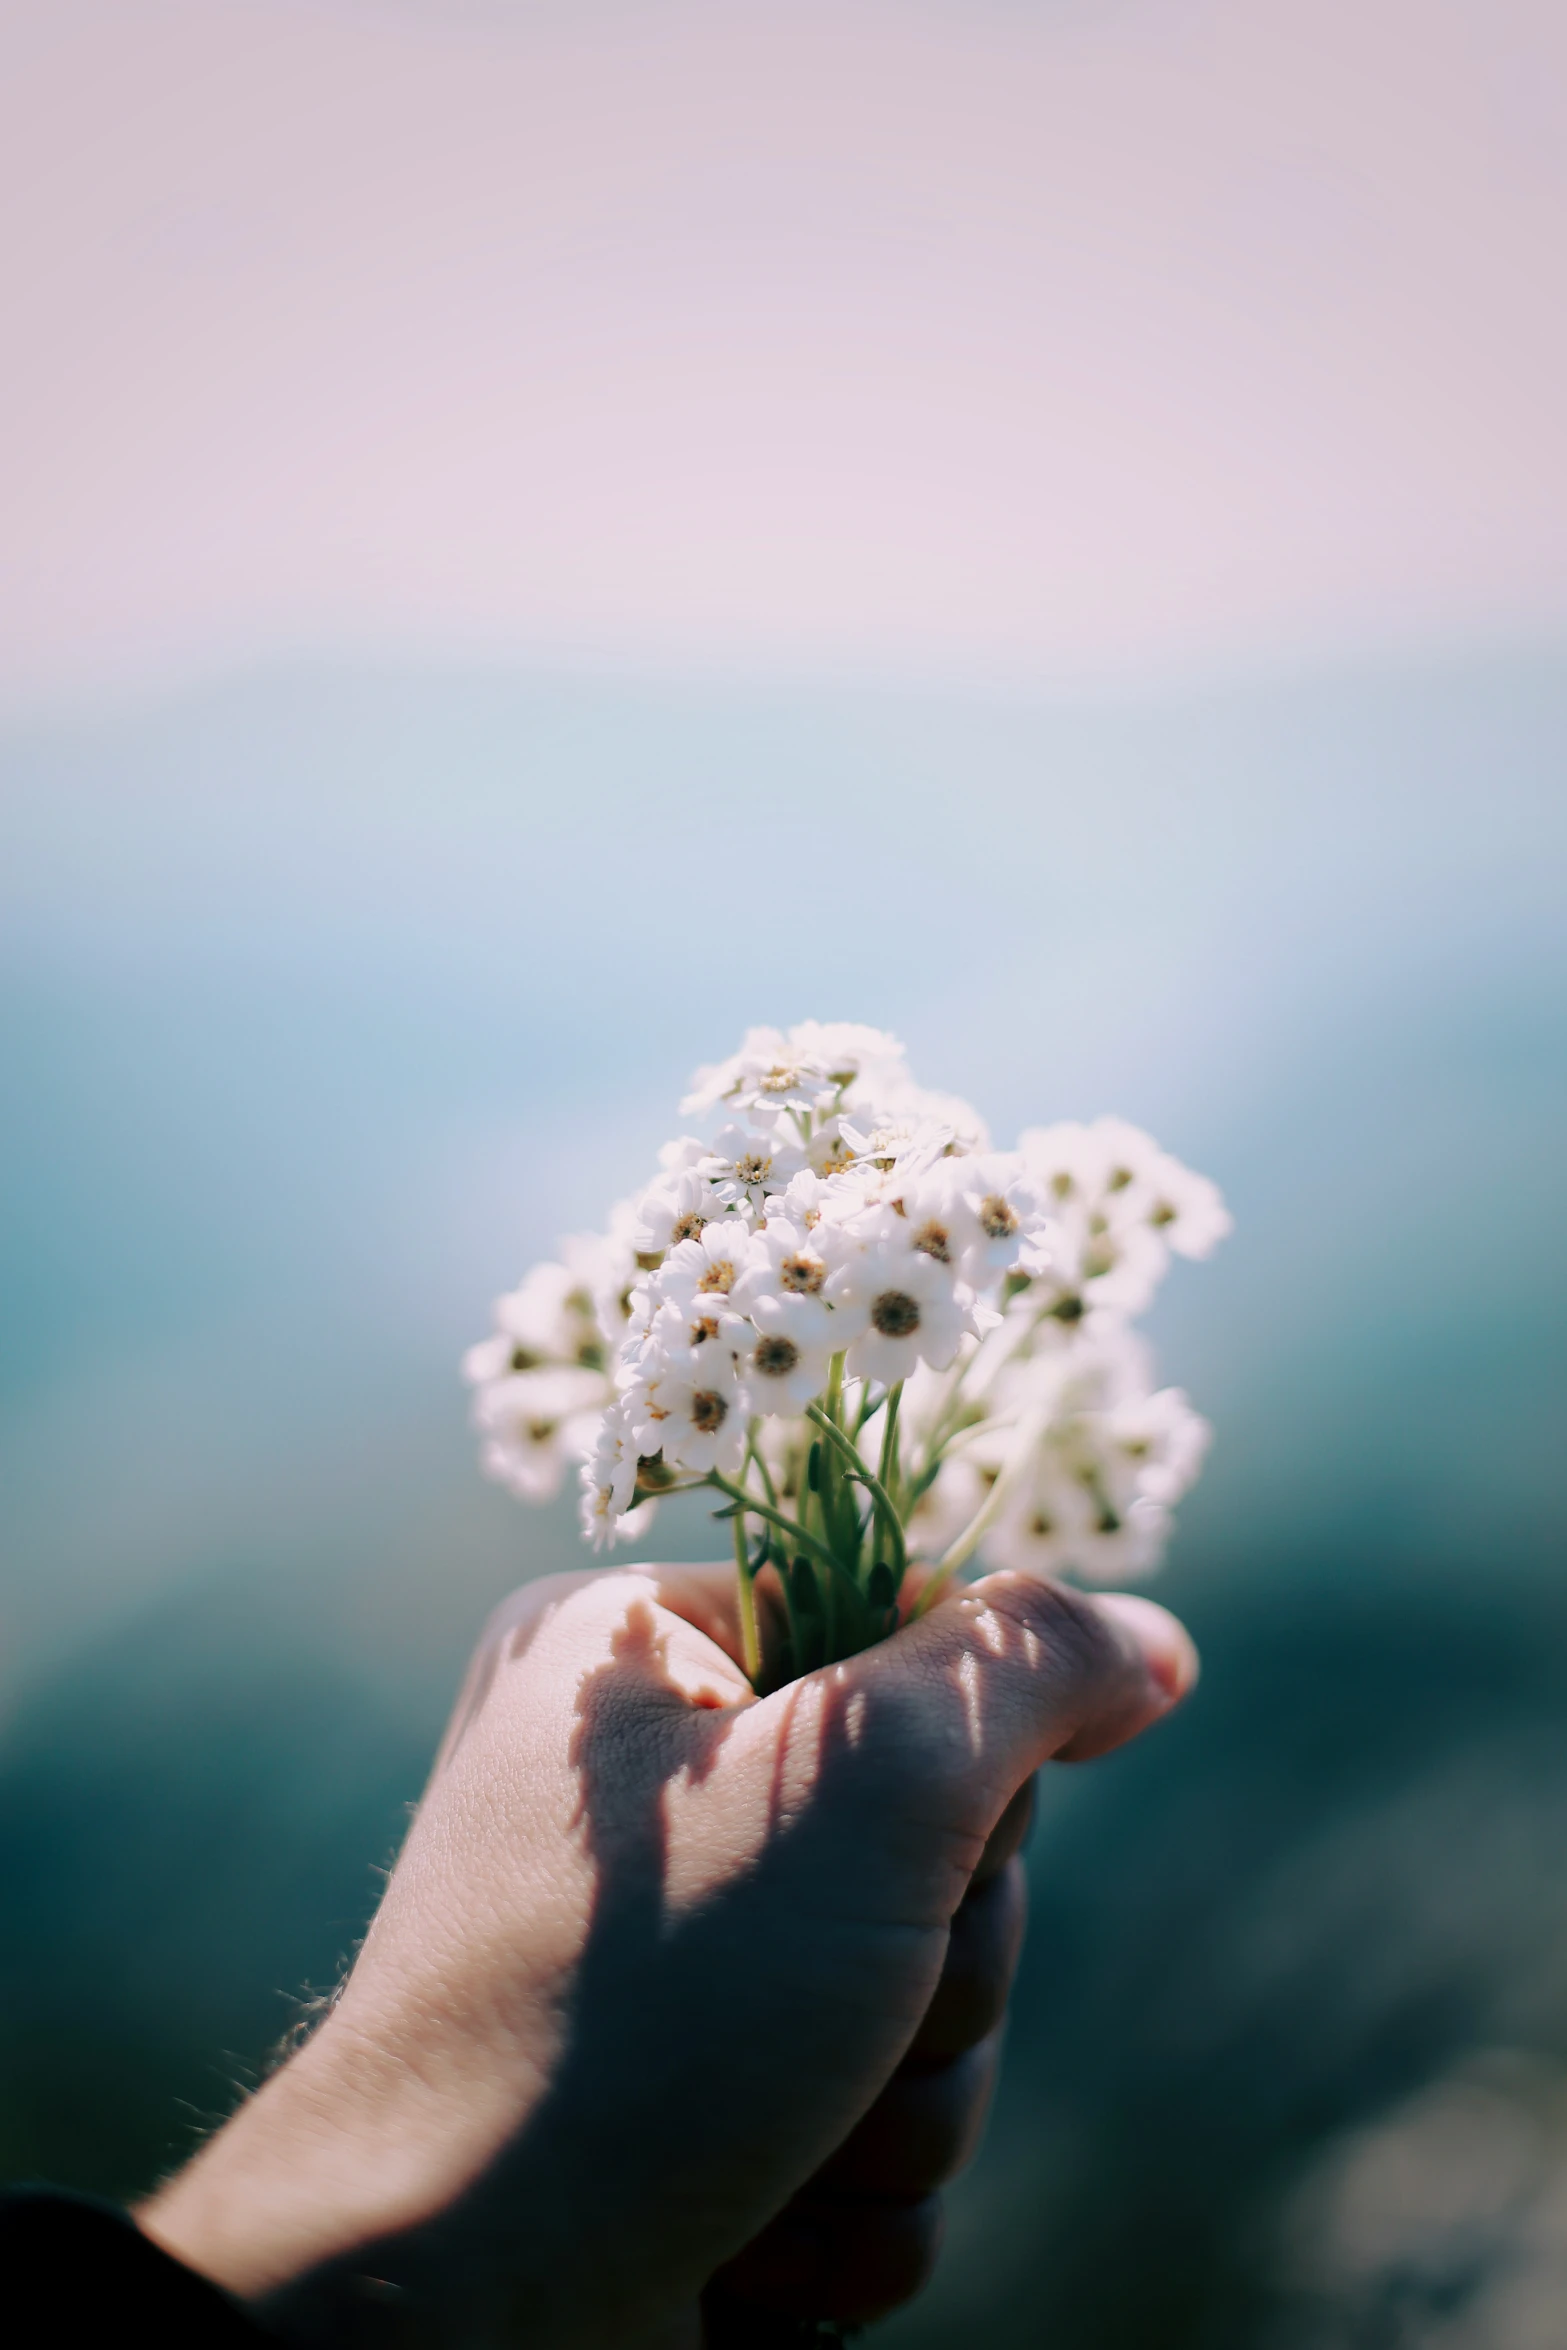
{"type": "Point", "coordinates": [1078, 1646]}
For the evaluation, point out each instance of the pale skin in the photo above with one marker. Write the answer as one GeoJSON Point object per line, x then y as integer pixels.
{"type": "Point", "coordinates": [678, 2000]}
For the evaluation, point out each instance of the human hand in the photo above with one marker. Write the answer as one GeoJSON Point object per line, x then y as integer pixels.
{"type": "Point", "coordinates": [658, 1954]}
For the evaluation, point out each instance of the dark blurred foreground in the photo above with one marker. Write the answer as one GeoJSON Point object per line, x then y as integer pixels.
{"type": "Point", "coordinates": [1289, 2060]}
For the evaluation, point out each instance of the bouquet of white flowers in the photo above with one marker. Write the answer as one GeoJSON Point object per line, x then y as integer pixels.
{"type": "Point", "coordinates": [884, 1344]}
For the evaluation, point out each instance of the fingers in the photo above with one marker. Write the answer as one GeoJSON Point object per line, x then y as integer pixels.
{"type": "Point", "coordinates": [1064, 1673]}
{"type": "Point", "coordinates": [704, 1594]}
{"type": "Point", "coordinates": [1171, 1657]}
{"type": "Point", "coordinates": [976, 1980]}
{"type": "Point", "coordinates": [973, 1697]}
{"type": "Point", "coordinates": [840, 2259]}
{"type": "Point", "coordinates": [1009, 1834]}
{"type": "Point", "coordinates": [864, 2236]}
{"type": "Point", "coordinates": [921, 2131]}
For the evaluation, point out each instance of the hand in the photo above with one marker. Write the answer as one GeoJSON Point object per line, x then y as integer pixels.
{"type": "Point", "coordinates": [652, 1954]}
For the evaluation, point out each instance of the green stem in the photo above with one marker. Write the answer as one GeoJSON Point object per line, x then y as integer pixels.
{"type": "Point", "coordinates": [761, 1509]}
{"type": "Point", "coordinates": [754, 1453]}
{"type": "Point", "coordinates": [958, 1553]}
{"type": "Point", "coordinates": [872, 1484]}
{"type": "Point", "coordinates": [946, 1421]}
{"type": "Point", "coordinates": [750, 1639]}
{"type": "Point", "coordinates": [889, 1437]}
{"type": "Point", "coordinates": [840, 1517]}
{"type": "Point", "coordinates": [796, 1645]}
{"type": "Point", "coordinates": [940, 1434]}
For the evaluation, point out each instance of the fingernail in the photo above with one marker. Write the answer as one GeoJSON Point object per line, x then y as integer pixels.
{"type": "Point", "coordinates": [1166, 1644]}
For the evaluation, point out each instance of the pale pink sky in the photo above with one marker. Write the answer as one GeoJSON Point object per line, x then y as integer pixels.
{"type": "Point", "coordinates": [1030, 337]}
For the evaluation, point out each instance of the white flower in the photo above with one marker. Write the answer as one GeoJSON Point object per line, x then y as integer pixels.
{"type": "Point", "coordinates": [533, 1422]}
{"type": "Point", "coordinates": [1185, 1209]}
{"type": "Point", "coordinates": [829, 1149]}
{"type": "Point", "coordinates": [793, 1340]}
{"type": "Point", "coordinates": [1100, 1253]}
{"type": "Point", "coordinates": [930, 1215]}
{"type": "Point", "coordinates": [1095, 1260]}
{"type": "Point", "coordinates": [609, 1479]}
{"type": "Point", "coordinates": [1152, 1448]}
{"type": "Point", "coordinates": [847, 1212]}
{"type": "Point", "coordinates": [490, 1359]}
{"type": "Point", "coordinates": [684, 1325]}
{"type": "Point", "coordinates": [1114, 1191]}
{"type": "Point", "coordinates": [867, 1060]}
{"type": "Point", "coordinates": [1088, 1164]}
{"type": "Point", "coordinates": [691, 1411]}
{"type": "Point", "coordinates": [784, 1261]}
{"type": "Point", "coordinates": [747, 1164]}
{"type": "Point", "coordinates": [1053, 1526]}
{"type": "Point", "coordinates": [904, 1141]}
{"type": "Point", "coordinates": [767, 1069]}
{"type": "Point", "coordinates": [978, 1214]}
{"type": "Point", "coordinates": [550, 1318]}
{"type": "Point", "coordinates": [1004, 1211]}
{"type": "Point", "coordinates": [899, 1306]}
{"type": "Point", "coordinates": [540, 1381]}
{"type": "Point", "coordinates": [961, 1123]}
{"type": "Point", "coordinates": [1111, 1459]}
{"type": "Point", "coordinates": [709, 1265]}
{"type": "Point", "coordinates": [808, 1068]}
{"type": "Point", "coordinates": [605, 1264]}
{"type": "Point", "coordinates": [802, 1201]}
{"type": "Point", "coordinates": [680, 1389]}
{"type": "Point", "coordinates": [672, 1210]}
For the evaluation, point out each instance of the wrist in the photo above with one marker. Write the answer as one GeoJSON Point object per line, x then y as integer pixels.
{"type": "Point", "coordinates": [319, 2203]}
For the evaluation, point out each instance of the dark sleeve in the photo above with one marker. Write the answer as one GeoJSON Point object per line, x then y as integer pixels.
{"type": "Point", "coordinates": [75, 2271]}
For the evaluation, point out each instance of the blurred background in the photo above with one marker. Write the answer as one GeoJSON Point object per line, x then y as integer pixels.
{"type": "Point", "coordinates": [532, 537]}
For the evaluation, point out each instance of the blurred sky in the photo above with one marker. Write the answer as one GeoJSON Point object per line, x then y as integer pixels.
{"type": "Point", "coordinates": [1048, 338]}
